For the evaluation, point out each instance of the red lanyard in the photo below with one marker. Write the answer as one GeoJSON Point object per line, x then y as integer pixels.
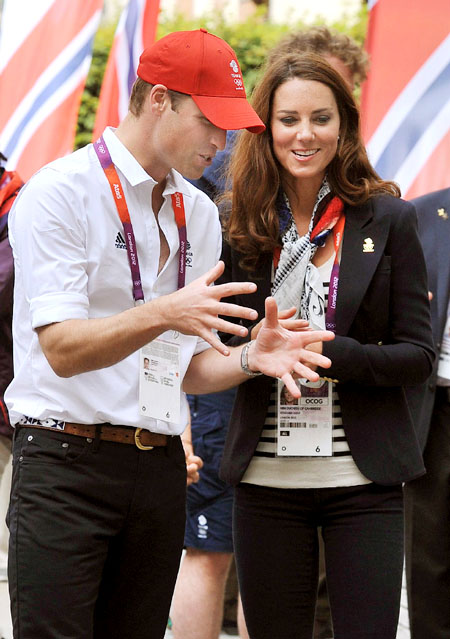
{"type": "Point", "coordinates": [330, 317]}
{"type": "Point", "coordinates": [180, 219]}
{"type": "Point", "coordinates": [108, 167]}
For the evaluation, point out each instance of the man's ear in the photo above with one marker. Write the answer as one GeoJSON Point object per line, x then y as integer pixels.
{"type": "Point", "coordinates": [159, 98]}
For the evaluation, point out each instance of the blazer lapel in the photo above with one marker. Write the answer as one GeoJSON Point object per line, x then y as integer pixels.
{"type": "Point", "coordinates": [264, 281]}
{"type": "Point", "coordinates": [362, 248]}
{"type": "Point", "coordinates": [442, 244]}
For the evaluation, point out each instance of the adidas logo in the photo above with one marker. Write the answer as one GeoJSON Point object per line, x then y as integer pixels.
{"type": "Point", "coordinates": [120, 241]}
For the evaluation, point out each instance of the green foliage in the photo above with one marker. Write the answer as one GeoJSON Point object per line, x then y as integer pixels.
{"type": "Point", "coordinates": [251, 39]}
{"type": "Point", "coordinates": [89, 100]}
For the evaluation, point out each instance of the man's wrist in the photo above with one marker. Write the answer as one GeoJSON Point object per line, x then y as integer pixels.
{"type": "Point", "coordinates": [164, 311]}
{"type": "Point", "coordinates": [244, 361]}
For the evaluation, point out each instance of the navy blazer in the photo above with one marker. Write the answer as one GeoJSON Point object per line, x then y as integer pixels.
{"type": "Point", "coordinates": [433, 212]}
{"type": "Point", "coordinates": [383, 342]}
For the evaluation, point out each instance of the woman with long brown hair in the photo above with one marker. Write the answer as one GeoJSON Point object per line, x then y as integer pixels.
{"type": "Point", "coordinates": [315, 227]}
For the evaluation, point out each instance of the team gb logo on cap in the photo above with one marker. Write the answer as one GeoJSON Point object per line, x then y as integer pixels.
{"type": "Point", "coordinates": [237, 78]}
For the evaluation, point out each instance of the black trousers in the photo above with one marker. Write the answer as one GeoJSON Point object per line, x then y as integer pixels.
{"type": "Point", "coordinates": [427, 525]}
{"type": "Point", "coordinates": [96, 533]}
{"type": "Point", "coordinates": [276, 547]}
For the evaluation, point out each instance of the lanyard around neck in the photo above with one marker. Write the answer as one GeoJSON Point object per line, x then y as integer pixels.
{"type": "Point", "coordinates": [338, 230]}
{"type": "Point", "coordinates": [112, 176]}
{"type": "Point", "coordinates": [330, 316]}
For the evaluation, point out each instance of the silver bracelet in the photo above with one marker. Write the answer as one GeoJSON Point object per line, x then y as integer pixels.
{"type": "Point", "coordinates": [244, 360]}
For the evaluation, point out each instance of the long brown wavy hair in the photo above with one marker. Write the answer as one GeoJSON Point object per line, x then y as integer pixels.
{"type": "Point", "coordinates": [252, 226]}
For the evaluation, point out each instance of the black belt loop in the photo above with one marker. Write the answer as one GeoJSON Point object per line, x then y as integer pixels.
{"type": "Point", "coordinates": [170, 443]}
{"type": "Point", "coordinates": [443, 394]}
{"type": "Point", "coordinates": [97, 438]}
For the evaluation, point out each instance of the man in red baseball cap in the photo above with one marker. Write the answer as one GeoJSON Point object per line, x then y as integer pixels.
{"type": "Point", "coordinates": [206, 68]}
{"type": "Point", "coordinates": [114, 317]}
{"type": "Point", "coordinates": [188, 93]}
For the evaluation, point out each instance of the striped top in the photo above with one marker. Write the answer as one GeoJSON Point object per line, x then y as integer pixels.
{"type": "Point", "coordinates": [266, 469]}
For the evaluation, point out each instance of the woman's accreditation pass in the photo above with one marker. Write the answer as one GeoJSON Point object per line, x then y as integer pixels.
{"type": "Point", "coordinates": [159, 380]}
{"type": "Point", "coordinates": [305, 424]}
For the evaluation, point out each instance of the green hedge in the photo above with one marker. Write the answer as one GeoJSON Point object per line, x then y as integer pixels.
{"type": "Point", "coordinates": [250, 39]}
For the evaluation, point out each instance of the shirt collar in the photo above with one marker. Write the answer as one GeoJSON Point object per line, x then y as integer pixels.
{"type": "Point", "coordinates": [135, 174]}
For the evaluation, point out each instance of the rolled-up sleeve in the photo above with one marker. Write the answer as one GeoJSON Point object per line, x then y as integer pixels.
{"type": "Point", "coordinates": [49, 247]}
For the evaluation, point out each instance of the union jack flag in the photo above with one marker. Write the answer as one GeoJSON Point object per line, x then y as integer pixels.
{"type": "Point", "coordinates": [45, 53]}
{"type": "Point", "coordinates": [135, 32]}
{"type": "Point", "coordinates": [405, 102]}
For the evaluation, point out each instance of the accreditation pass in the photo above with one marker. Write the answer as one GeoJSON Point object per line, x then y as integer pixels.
{"type": "Point", "coordinates": [159, 379]}
{"type": "Point", "coordinates": [305, 424]}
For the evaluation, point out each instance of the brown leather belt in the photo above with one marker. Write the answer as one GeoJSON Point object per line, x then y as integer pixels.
{"type": "Point", "coordinates": [140, 437]}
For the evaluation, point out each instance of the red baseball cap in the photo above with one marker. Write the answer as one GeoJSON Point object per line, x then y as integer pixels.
{"type": "Point", "coordinates": [205, 67]}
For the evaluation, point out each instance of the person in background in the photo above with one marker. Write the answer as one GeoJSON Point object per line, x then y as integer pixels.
{"type": "Point", "coordinates": [317, 228]}
{"type": "Point", "coordinates": [427, 499]}
{"type": "Point", "coordinates": [10, 183]}
{"type": "Point", "coordinates": [208, 539]}
{"type": "Point", "coordinates": [97, 509]}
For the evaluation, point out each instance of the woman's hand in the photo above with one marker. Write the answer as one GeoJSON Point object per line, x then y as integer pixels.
{"type": "Point", "coordinates": [280, 352]}
{"type": "Point", "coordinates": [284, 317]}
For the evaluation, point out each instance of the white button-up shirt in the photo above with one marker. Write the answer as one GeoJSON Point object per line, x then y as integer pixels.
{"type": "Point", "coordinates": [71, 263]}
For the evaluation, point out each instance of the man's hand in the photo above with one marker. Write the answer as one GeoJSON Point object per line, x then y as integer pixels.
{"type": "Point", "coordinates": [81, 345]}
{"type": "Point", "coordinates": [195, 309]}
{"type": "Point", "coordinates": [279, 352]}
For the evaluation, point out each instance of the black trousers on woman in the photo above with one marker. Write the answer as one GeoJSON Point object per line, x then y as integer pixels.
{"type": "Point", "coordinates": [276, 547]}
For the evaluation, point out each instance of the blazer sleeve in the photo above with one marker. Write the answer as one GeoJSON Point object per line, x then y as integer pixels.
{"type": "Point", "coordinates": [402, 354]}
{"type": "Point", "coordinates": [233, 273]}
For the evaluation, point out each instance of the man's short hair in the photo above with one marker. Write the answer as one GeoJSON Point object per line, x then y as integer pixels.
{"type": "Point", "coordinates": [322, 41]}
{"type": "Point", "coordinates": [139, 94]}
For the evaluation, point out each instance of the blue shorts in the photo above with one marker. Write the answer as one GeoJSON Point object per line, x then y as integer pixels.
{"type": "Point", "coordinates": [210, 500]}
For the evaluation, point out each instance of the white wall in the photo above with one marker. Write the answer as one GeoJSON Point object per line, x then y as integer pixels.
{"type": "Point", "coordinates": [230, 9]}
{"type": "Point", "coordinates": [286, 11]}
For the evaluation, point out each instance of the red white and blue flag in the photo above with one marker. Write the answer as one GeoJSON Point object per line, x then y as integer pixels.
{"type": "Point", "coordinates": [406, 100]}
{"type": "Point", "coordinates": [45, 54]}
{"type": "Point", "coordinates": [135, 32]}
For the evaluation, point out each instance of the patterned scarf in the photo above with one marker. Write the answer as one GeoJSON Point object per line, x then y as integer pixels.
{"type": "Point", "coordinates": [296, 278]}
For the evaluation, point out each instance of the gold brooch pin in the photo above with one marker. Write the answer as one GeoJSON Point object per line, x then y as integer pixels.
{"type": "Point", "coordinates": [368, 246]}
{"type": "Point", "coordinates": [443, 213]}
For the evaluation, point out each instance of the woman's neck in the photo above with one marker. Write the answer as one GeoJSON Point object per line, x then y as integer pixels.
{"type": "Point", "coordinates": [302, 199]}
